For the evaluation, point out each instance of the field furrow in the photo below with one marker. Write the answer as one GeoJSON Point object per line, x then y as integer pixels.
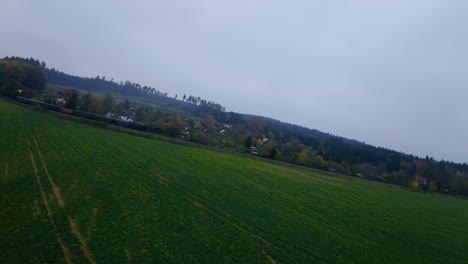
{"type": "Point", "coordinates": [66, 251]}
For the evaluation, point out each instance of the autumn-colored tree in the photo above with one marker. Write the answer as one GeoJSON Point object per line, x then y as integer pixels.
{"type": "Point", "coordinates": [173, 126]}
{"type": "Point", "coordinates": [241, 139]}
{"type": "Point", "coordinates": [52, 93]}
{"type": "Point", "coordinates": [209, 122]}
{"type": "Point", "coordinates": [396, 177]}
{"type": "Point", "coordinates": [258, 142]}
{"type": "Point", "coordinates": [303, 157]}
{"type": "Point", "coordinates": [413, 186]}
{"type": "Point", "coordinates": [318, 162]}
{"type": "Point", "coordinates": [16, 75]}
{"type": "Point", "coordinates": [67, 93]}
{"type": "Point", "coordinates": [432, 186]}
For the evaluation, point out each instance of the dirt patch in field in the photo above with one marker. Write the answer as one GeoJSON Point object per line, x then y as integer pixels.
{"type": "Point", "coordinates": [55, 188]}
{"type": "Point", "coordinates": [63, 246]}
{"type": "Point", "coordinates": [84, 245]}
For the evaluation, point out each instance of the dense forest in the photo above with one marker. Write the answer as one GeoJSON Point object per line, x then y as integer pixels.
{"type": "Point", "coordinates": [17, 76]}
{"type": "Point", "coordinates": [209, 123]}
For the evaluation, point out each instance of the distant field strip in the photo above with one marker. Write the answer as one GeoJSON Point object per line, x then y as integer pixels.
{"type": "Point", "coordinates": [71, 193]}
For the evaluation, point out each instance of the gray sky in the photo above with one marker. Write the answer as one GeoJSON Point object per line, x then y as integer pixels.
{"type": "Point", "coordinates": [390, 73]}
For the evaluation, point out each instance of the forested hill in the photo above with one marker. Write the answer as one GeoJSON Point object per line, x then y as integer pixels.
{"type": "Point", "coordinates": [193, 104]}
{"type": "Point", "coordinates": [101, 84]}
{"type": "Point", "coordinates": [268, 137]}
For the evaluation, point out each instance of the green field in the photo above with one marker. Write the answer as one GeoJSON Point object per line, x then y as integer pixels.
{"type": "Point", "coordinates": [80, 194]}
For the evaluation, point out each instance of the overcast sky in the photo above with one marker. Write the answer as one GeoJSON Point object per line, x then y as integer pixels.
{"type": "Point", "coordinates": [390, 73]}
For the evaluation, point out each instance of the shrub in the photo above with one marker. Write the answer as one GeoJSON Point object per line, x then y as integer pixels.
{"type": "Point", "coordinates": [413, 186]}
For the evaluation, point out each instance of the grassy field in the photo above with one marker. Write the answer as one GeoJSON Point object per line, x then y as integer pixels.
{"type": "Point", "coordinates": [80, 194]}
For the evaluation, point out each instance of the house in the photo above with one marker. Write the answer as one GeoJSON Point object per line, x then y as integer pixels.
{"type": "Point", "coordinates": [125, 119]}
{"type": "Point", "coordinates": [61, 101]}
{"type": "Point", "coordinates": [358, 175]}
{"type": "Point", "coordinates": [253, 150]}
{"type": "Point", "coordinates": [184, 136]}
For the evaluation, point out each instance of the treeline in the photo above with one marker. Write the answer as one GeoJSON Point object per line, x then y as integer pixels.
{"type": "Point", "coordinates": [126, 89]}
{"type": "Point", "coordinates": [131, 90]}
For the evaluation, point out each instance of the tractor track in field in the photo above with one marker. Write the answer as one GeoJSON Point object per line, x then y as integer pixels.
{"type": "Point", "coordinates": [270, 258]}
{"type": "Point", "coordinates": [129, 255]}
{"type": "Point", "coordinates": [84, 245]}
{"type": "Point", "coordinates": [55, 188]}
{"type": "Point", "coordinates": [63, 246]}
{"type": "Point", "coordinates": [72, 222]}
